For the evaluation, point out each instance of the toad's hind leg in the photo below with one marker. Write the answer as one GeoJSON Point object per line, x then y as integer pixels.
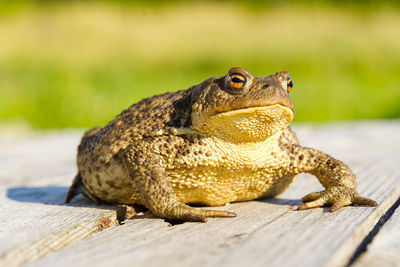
{"type": "Point", "coordinates": [157, 194]}
{"type": "Point", "coordinates": [77, 188]}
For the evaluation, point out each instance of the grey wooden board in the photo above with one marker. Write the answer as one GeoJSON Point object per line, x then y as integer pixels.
{"type": "Point", "coordinates": [268, 232]}
{"type": "Point", "coordinates": [385, 248]}
{"type": "Point", "coordinates": [35, 171]}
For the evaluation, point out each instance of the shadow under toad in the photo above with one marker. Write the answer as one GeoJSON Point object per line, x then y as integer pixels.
{"type": "Point", "coordinates": [55, 195]}
{"type": "Point", "coordinates": [282, 201]}
{"type": "Point", "coordinates": [295, 203]}
{"type": "Point", "coordinates": [50, 195]}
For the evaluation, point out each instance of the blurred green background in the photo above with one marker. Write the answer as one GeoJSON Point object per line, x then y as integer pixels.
{"type": "Point", "coordinates": [79, 63]}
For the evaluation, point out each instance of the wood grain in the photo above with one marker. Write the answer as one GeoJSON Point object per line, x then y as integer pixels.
{"type": "Point", "coordinates": [266, 232]}
{"type": "Point", "coordinates": [35, 171]}
{"type": "Point", "coordinates": [385, 247]}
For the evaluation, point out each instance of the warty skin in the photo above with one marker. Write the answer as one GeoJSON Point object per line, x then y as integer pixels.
{"type": "Point", "coordinates": [227, 139]}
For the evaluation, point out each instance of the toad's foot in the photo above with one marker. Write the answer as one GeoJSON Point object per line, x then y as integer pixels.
{"type": "Point", "coordinates": [336, 198]}
{"type": "Point", "coordinates": [183, 212]}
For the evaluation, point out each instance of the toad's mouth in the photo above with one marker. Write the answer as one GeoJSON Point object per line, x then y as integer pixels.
{"type": "Point", "coordinates": [245, 104]}
{"type": "Point", "coordinates": [257, 108]}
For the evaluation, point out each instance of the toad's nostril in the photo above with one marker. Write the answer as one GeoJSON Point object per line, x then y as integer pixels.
{"type": "Point", "coordinates": [265, 86]}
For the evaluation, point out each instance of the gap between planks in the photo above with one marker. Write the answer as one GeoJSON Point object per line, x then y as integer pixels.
{"type": "Point", "coordinates": [364, 233]}
{"type": "Point", "coordinates": [384, 249]}
{"type": "Point", "coordinates": [374, 232]}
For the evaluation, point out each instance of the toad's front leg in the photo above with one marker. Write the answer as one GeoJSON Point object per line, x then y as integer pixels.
{"type": "Point", "coordinates": [156, 193]}
{"type": "Point", "coordinates": [337, 178]}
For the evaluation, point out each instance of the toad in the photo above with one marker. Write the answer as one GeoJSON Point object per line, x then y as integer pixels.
{"type": "Point", "coordinates": [226, 139]}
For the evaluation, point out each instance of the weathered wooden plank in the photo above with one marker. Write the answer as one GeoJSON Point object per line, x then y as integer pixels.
{"type": "Point", "coordinates": [267, 232]}
{"type": "Point", "coordinates": [385, 247]}
{"type": "Point", "coordinates": [35, 170]}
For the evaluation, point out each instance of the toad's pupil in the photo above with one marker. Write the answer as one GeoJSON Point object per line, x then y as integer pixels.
{"type": "Point", "coordinates": [290, 83]}
{"type": "Point", "coordinates": [237, 80]}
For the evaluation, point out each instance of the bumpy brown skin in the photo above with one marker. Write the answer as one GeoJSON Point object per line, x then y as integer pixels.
{"type": "Point", "coordinates": [211, 144]}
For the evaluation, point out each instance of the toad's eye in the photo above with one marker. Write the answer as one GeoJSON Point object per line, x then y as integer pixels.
{"type": "Point", "coordinates": [236, 81]}
{"type": "Point", "coordinates": [289, 84]}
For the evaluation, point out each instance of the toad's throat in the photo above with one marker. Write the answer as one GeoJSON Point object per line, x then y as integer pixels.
{"type": "Point", "coordinates": [251, 124]}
